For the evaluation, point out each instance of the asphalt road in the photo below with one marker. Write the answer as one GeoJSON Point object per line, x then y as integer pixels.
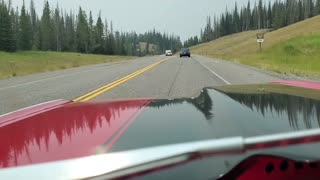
{"type": "Point", "coordinates": [166, 78]}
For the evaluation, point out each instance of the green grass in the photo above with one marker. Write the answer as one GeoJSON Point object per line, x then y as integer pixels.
{"type": "Point", "coordinates": [294, 49]}
{"type": "Point", "coordinates": [29, 62]}
{"type": "Point", "coordinates": [300, 56]}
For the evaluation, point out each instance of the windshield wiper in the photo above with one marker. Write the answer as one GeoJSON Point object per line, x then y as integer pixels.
{"type": "Point", "coordinates": [147, 160]}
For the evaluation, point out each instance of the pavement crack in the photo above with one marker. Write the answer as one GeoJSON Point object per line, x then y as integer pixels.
{"type": "Point", "coordinates": [175, 78]}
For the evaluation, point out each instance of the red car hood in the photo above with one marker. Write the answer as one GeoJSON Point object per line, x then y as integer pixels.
{"type": "Point", "coordinates": [62, 130]}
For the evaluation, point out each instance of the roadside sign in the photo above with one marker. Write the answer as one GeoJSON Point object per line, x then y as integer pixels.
{"type": "Point", "coordinates": [260, 40]}
{"type": "Point", "coordinates": [260, 36]}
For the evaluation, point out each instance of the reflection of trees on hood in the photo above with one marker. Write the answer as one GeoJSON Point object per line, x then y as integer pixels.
{"type": "Point", "coordinates": [293, 106]}
{"type": "Point", "coordinates": [63, 123]}
{"type": "Point", "coordinates": [203, 103]}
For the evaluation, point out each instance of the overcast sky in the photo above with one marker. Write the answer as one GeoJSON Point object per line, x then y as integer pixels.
{"type": "Point", "coordinates": [182, 17]}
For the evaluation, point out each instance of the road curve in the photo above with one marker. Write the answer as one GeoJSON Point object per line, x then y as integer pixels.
{"type": "Point", "coordinates": [155, 77]}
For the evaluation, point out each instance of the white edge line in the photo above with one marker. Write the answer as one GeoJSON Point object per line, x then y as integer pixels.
{"type": "Point", "coordinates": [225, 81]}
{"type": "Point", "coordinates": [31, 107]}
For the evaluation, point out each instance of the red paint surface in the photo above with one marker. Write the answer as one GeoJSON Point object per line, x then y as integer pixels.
{"type": "Point", "coordinates": [31, 111]}
{"type": "Point", "coordinates": [303, 84]}
{"type": "Point", "coordinates": [71, 131]}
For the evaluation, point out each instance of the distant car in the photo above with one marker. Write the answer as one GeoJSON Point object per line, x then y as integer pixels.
{"type": "Point", "coordinates": [185, 52]}
{"type": "Point", "coordinates": [168, 53]}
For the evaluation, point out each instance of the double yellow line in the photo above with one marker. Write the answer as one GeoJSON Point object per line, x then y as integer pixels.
{"type": "Point", "coordinates": [109, 86]}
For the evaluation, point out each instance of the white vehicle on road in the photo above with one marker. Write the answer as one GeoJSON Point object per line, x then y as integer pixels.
{"type": "Point", "coordinates": [168, 53]}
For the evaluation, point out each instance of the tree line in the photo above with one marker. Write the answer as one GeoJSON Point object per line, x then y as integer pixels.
{"type": "Point", "coordinates": [58, 30]}
{"type": "Point", "coordinates": [262, 15]}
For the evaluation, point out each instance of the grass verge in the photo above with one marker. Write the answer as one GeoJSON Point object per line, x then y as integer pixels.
{"type": "Point", "coordinates": [29, 62]}
{"type": "Point", "coordinates": [299, 56]}
{"type": "Point", "coordinates": [294, 49]}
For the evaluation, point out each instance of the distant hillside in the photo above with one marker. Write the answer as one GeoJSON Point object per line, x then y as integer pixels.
{"type": "Point", "coordinates": [294, 49]}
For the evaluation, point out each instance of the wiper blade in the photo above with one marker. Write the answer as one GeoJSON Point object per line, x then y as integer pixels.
{"type": "Point", "coordinates": [139, 162]}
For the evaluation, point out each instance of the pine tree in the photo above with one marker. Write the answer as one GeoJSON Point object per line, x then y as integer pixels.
{"type": "Point", "coordinates": [7, 34]}
{"type": "Point", "coordinates": [289, 11]}
{"type": "Point", "coordinates": [293, 13]}
{"type": "Point", "coordinates": [47, 36]}
{"type": "Point", "coordinates": [110, 47]}
{"type": "Point", "coordinates": [228, 25]}
{"type": "Point", "coordinates": [278, 15]}
{"type": "Point", "coordinates": [222, 29]}
{"type": "Point", "coordinates": [260, 15]}
{"type": "Point", "coordinates": [269, 16]}
{"type": "Point", "coordinates": [215, 30]}
{"type": "Point", "coordinates": [208, 32]}
{"type": "Point", "coordinates": [62, 32]}
{"type": "Point", "coordinates": [34, 23]}
{"type": "Point", "coordinates": [99, 36]}
{"type": "Point", "coordinates": [247, 17]}
{"type": "Point", "coordinates": [25, 30]}
{"type": "Point", "coordinates": [57, 29]}
{"type": "Point", "coordinates": [317, 8]}
{"type": "Point", "coordinates": [117, 49]}
{"type": "Point", "coordinates": [106, 43]}
{"type": "Point", "coordinates": [123, 47]}
{"type": "Point", "coordinates": [91, 34]}
{"type": "Point", "coordinates": [202, 36]}
{"type": "Point", "coordinates": [265, 16]}
{"type": "Point", "coordinates": [66, 32]}
{"type": "Point", "coordinates": [147, 48]}
{"type": "Point", "coordinates": [15, 18]}
{"type": "Point", "coordinates": [82, 32]}
{"type": "Point", "coordinates": [311, 6]}
{"type": "Point", "coordinates": [301, 10]}
{"type": "Point", "coordinates": [134, 46]}
{"type": "Point", "coordinates": [308, 8]}
{"type": "Point", "coordinates": [236, 19]}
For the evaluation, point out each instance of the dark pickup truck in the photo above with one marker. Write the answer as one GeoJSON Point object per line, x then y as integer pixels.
{"type": "Point", "coordinates": [185, 52]}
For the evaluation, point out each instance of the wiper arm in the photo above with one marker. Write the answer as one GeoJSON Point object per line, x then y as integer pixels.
{"type": "Point", "coordinates": [138, 162]}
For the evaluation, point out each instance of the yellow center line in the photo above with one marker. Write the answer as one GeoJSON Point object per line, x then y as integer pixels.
{"type": "Point", "coordinates": [113, 84]}
{"type": "Point", "coordinates": [101, 88]}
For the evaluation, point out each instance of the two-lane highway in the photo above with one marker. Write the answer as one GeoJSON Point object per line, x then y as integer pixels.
{"type": "Point", "coordinates": [156, 77]}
